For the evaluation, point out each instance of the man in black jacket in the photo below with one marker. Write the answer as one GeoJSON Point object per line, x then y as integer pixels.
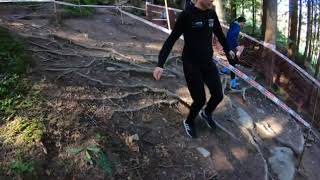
{"type": "Point", "coordinates": [197, 24]}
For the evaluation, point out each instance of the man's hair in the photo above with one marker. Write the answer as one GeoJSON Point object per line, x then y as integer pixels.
{"type": "Point", "coordinates": [241, 19]}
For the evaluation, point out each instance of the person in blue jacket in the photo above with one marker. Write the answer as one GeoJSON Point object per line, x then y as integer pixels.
{"type": "Point", "coordinates": [232, 39]}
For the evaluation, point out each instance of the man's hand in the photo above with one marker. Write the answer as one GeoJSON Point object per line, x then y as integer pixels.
{"type": "Point", "coordinates": [231, 58]}
{"type": "Point", "coordinates": [157, 72]}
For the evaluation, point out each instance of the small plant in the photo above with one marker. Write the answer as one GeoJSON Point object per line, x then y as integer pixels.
{"type": "Point", "coordinates": [14, 63]}
{"type": "Point", "coordinates": [82, 11]}
{"type": "Point", "coordinates": [22, 131]}
{"type": "Point", "coordinates": [14, 59]}
{"type": "Point", "coordinates": [94, 155]}
{"type": "Point", "coordinates": [21, 165]}
{"type": "Point", "coordinates": [13, 93]}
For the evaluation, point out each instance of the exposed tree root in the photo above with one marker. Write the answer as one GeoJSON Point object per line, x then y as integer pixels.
{"type": "Point", "coordinates": [155, 90]}
{"type": "Point", "coordinates": [158, 103]}
{"type": "Point", "coordinates": [56, 53]}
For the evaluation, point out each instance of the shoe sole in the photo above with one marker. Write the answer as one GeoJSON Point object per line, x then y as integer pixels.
{"type": "Point", "coordinates": [184, 127]}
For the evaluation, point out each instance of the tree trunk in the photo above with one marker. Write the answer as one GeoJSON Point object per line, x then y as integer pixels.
{"type": "Point", "coordinates": [317, 67]}
{"type": "Point", "coordinates": [242, 5]}
{"type": "Point", "coordinates": [220, 10]}
{"type": "Point", "coordinates": [263, 19]}
{"type": "Point", "coordinates": [269, 24]}
{"type": "Point", "coordinates": [317, 28]}
{"type": "Point", "coordinates": [300, 23]}
{"type": "Point", "coordinates": [318, 46]}
{"type": "Point", "coordinates": [293, 18]}
{"type": "Point", "coordinates": [308, 29]}
{"type": "Point", "coordinates": [311, 36]}
{"type": "Point", "coordinates": [253, 16]}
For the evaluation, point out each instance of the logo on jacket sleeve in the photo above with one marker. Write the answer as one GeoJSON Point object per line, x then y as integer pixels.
{"type": "Point", "coordinates": [210, 22]}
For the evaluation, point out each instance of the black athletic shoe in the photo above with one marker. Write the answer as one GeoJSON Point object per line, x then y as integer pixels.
{"type": "Point", "coordinates": [208, 119]}
{"type": "Point", "coordinates": [189, 128]}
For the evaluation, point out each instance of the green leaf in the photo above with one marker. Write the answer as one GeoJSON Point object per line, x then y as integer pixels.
{"type": "Point", "coordinates": [104, 163]}
{"type": "Point", "coordinates": [94, 149]}
{"type": "Point", "coordinates": [88, 157]}
{"type": "Point", "coordinates": [74, 150]}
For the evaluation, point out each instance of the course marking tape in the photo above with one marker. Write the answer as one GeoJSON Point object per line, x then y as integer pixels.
{"type": "Point", "coordinates": [263, 90]}
{"type": "Point", "coordinates": [17, 1]}
{"type": "Point", "coordinates": [169, 8]}
{"type": "Point", "coordinates": [243, 76]}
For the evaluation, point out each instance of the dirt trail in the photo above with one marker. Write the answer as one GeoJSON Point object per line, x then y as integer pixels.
{"type": "Point", "coordinates": [98, 83]}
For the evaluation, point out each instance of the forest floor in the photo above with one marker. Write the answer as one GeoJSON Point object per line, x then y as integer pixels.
{"type": "Point", "coordinates": [105, 117]}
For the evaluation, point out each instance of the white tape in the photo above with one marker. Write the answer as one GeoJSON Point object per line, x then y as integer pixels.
{"type": "Point", "coordinates": [282, 56]}
{"type": "Point", "coordinates": [243, 76]}
{"type": "Point", "coordinates": [18, 1]}
{"type": "Point", "coordinates": [133, 7]}
{"type": "Point", "coordinates": [145, 21]}
{"type": "Point", "coordinates": [75, 5]}
{"type": "Point", "coordinates": [169, 8]}
{"type": "Point", "coordinates": [263, 90]}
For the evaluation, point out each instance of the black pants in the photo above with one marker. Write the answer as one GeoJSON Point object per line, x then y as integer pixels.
{"type": "Point", "coordinates": [233, 64]}
{"type": "Point", "coordinates": [196, 76]}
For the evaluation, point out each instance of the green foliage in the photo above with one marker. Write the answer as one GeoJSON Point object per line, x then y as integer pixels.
{"type": "Point", "coordinates": [93, 154]}
{"type": "Point", "coordinates": [22, 131]}
{"type": "Point", "coordinates": [17, 93]}
{"type": "Point", "coordinates": [21, 165]}
{"type": "Point", "coordinates": [14, 58]}
{"type": "Point", "coordinates": [14, 63]}
{"type": "Point", "coordinates": [74, 150]}
{"type": "Point", "coordinates": [83, 11]}
{"type": "Point", "coordinates": [100, 137]}
{"type": "Point", "coordinates": [248, 30]}
{"type": "Point", "coordinates": [281, 38]}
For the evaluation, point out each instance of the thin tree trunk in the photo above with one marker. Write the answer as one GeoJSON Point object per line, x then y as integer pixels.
{"type": "Point", "coordinates": [253, 16]}
{"type": "Point", "coordinates": [242, 5]}
{"type": "Point", "coordinates": [317, 67]}
{"type": "Point", "coordinates": [300, 23]}
{"type": "Point", "coordinates": [220, 9]}
{"type": "Point", "coordinates": [309, 55]}
{"type": "Point", "coordinates": [270, 21]}
{"type": "Point", "coordinates": [315, 34]}
{"type": "Point", "coordinates": [263, 19]}
{"type": "Point", "coordinates": [308, 29]}
{"type": "Point", "coordinates": [292, 28]}
{"type": "Point", "coordinates": [293, 18]}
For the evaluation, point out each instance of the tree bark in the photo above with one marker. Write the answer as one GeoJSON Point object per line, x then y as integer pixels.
{"type": "Point", "coordinates": [300, 23]}
{"type": "Point", "coordinates": [308, 29]}
{"type": "Point", "coordinates": [220, 9]}
{"type": "Point", "coordinates": [309, 55]}
{"type": "Point", "coordinates": [293, 18]}
{"type": "Point", "coordinates": [242, 5]}
{"type": "Point", "coordinates": [253, 16]}
{"type": "Point", "coordinates": [269, 24]}
{"type": "Point", "coordinates": [317, 67]}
